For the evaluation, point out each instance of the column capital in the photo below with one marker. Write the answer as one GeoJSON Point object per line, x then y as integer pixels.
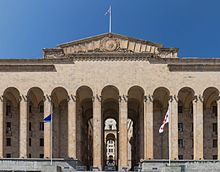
{"type": "Point", "coordinates": [1, 98]}
{"type": "Point", "coordinates": [148, 98]}
{"type": "Point", "coordinates": [71, 97]}
{"type": "Point", "coordinates": [173, 98]}
{"type": "Point", "coordinates": [198, 98]}
{"type": "Point", "coordinates": [23, 98]}
{"type": "Point", "coordinates": [123, 98]}
{"type": "Point", "coordinates": [47, 98]}
{"type": "Point", "coordinates": [218, 99]}
{"type": "Point", "coordinates": [97, 97]}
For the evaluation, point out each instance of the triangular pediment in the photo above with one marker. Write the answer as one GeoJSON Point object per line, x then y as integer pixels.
{"type": "Point", "coordinates": [108, 42]}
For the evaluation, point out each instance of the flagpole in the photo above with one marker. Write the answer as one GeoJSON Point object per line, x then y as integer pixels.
{"type": "Point", "coordinates": [110, 19]}
{"type": "Point", "coordinates": [170, 122]}
{"type": "Point", "coordinates": [51, 137]}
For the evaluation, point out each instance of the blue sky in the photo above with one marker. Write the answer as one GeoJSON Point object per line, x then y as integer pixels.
{"type": "Point", "coordinates": [27, 26]}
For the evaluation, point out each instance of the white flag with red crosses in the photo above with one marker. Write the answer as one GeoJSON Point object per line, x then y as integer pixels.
{"type": "Point", "coordinates": [165, 121]}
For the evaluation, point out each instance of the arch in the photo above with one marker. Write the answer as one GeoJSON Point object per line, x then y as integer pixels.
{"type": "Point", "coordinates": [161, 94]}
{"type": "Point", "coordinates": [84, 92]}
{"type": "Point", "coordinates": [185, 122]}
{"type": "Point", "coordinates": [136, 92]}
{"type": "Point", "coordinates": [12, 94]}
{"type": "Point", "coordinates": [11, 119]}
{"type": "Point", "coordinates": [35, 94]}
{"type": "Point", "coordinates": [110, 91]}
{"type": "Point", "coordinates": [210, 110]}
{"type": "Point", "coordinates": [58, 94]}
{"type": "Point", "coordinates": [186, 95]}
{"type": "Point", "coordinates": [84, 118]}
{"type": "Point", "coordinates": [161, 97]}
{"type": "Point", "coordinates": [210, 94]}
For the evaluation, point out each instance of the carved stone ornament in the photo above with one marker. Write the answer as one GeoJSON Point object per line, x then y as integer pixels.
{"type": "Point", "coordinates": [109, 44]}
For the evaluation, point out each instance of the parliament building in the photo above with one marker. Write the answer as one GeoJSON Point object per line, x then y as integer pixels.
{"type": "Point", "coordinates": [108, 95]}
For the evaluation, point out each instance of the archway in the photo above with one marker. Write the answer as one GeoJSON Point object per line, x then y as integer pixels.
{"type": "Point", "coordinates": [11, 125]}
{"type": "Point", "coordinates": [110, 110]}
{"type": "Point", "coordinates": [84, 137]}
{"type": "Point", "coordinates": [135, 126]}
{"type": "Point", "coordinates": [35, 98]}
{"type": "Point", "coordinates": [185, 123]}
{"type": "Point", "coordinates": [160, 140]}
{"type": "Point", "coordinates": [210, 141]}
{"type": "Point", "coordinates": [59, 97]}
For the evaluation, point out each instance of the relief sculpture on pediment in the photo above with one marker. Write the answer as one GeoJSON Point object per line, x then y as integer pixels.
{"type": "Point", "coordinates": [109, 44]}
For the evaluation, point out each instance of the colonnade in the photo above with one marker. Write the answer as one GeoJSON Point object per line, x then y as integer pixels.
{"type": "Point", "coordinates": [148, 128]}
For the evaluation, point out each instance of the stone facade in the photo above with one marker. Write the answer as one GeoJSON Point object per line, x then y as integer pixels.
{"type": "Point", "coordinates": [84, 82]}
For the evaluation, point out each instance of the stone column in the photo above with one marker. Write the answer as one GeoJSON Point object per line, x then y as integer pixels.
{"type": "Point", "coordinates": [1, 127]}
{"type": "Point", "coordinates": [97, 132]}
{"type": "Point", "coordinates": [148, 127]}
{"type": "Point", "coordinates": [47, 129]}
{"type": "Point", "coordinates": [218, 124]}
{"type": "Point", "coordinates": [173, 128]}
{"type": "Point", "coordinates": [123, 133]}
{"type": "Point", "coordinates": [72, 127]}
{"type": "Point", "coordinates": [23, 127]}
{"type": "Point", "coordinates": [198, 127]}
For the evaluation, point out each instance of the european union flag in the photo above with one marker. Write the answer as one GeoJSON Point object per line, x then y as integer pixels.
{"type": "Point", "coordinates": [48, 118]}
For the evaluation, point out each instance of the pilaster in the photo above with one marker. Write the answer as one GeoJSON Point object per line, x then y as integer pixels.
{"type": "Point", "coordinates": [198, 127]}
{"type": "Point", "coordinates": [148, 127]}
{"type": "Point", "coordinates": [72, 127]}
{"type": "Point", "coordinates": [23, 127]}
{"type": "Point", "coordinates": [97, 133]}
{"type": "Point", "coordinates": [123, 134]}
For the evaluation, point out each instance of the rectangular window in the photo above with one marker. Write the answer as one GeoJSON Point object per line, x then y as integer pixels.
{"type": "Point", "coordinates": [180, 156]}
{"type": "Point", "coordinates": [8, 141]}
{"type": "Point", "coordinates": [214, 143]}
{"type": "Point", "coordinates": [41, 126]}
{"type": "Point", "coordinates": [8, 110]}
{"type": "Point", "coordinates": [180, 109]}
{"type": "Point", "coordinates": [30, 126]}
{"type": "Point", "coordinates": [214, 127]}
{"type": "Point", "coordinates": [8, 128]}
{"type": "Point", "coordinates": [180, 143]}
{"type": "Point", "coordinates": [29, 141]}
{"type": "Point", "coordinates": [180, 127]}
{"type": "Point", "coordinates": [41, 155]}
{"type": "Point", "coordinates": [30, 108]}
{"type": "Point", "coordinates": [214, 157]}
{"type": "Point", "coordinates": [8, 155]}
{"type": "Point", "coordinates": [41, 142]}
{"type": "Point", "coordinates": [110, 150]}
{"type": "Point", "coordinates": [214, 110]}
{"type": "Point", "coordinates": [41, 108]}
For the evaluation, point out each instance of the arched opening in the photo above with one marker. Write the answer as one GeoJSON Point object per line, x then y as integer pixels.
{"type": "Point", "coordinates": [210, 131]}
{"type": "Point", "coordinates": [185, 123]}
{"type": "Point", "coordinates": [110, 111]}
{"type": "Point", "coordinates": [35, 98]}
{"type": "Point", "coordinates": [84, 126]}
{"type": "Point", "coordinates": [160, 140]}
{"type": "Point", "coordinates": [59, 98]}
{"type": "Point", "coordinates": [11, 118]}
{"type": "Point", "coordinates": [110, 133]}
{"type": "Point", "coordinates": [135, 126]}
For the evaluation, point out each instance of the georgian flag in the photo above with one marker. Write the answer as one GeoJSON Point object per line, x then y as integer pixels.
{"type": "Point", "coordinates": [165, 121]}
